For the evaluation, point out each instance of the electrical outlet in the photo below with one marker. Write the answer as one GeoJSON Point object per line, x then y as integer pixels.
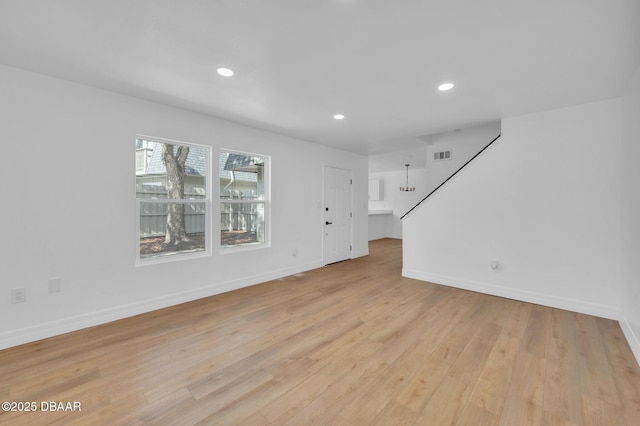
{"type": "Point", "coordinates": [18, 295]}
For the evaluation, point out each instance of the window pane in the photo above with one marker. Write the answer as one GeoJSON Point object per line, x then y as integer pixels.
{"type": "Point", "coordinates": [156, 217]}
{"type": "Point", "coordinates": [243, 180]}
{"type": "Point", "coordinates": [241, 176]}
{"type": "Point", "coordinates": [241, 223]}
{"type": "Point", "coordinates": [170, 170]}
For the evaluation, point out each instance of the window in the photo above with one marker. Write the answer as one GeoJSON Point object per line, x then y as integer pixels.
{"type": "Point", "coordinates": [244, 199]}
{"type": "Point", "coordinates": [173, 200]}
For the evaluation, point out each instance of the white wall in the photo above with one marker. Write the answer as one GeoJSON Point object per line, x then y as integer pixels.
{"type": "Point", "coordinates": [68, 162]}
{"type": "Point", "coordinates": [379, 226]}
{"type": "Point", "coordinates": [465, 143]}
{"type": "Point", "coordinates": [630, 218]}
{"type": "Point", "coordinates": [544, 201]}
{"type": "Point", "coordinates": [394, 199]}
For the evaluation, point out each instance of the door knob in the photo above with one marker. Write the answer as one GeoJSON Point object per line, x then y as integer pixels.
{"type": "Point", "coordinates": [328, 223]}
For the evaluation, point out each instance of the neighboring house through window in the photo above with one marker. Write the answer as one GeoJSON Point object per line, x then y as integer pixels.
{"type": "Point", "coordinates": [244, 200]}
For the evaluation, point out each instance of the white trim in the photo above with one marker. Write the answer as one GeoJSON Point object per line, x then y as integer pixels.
{"type": "Point", "coordinates": [573, 305]}
{"type": "Point", "coordinates": [632, 339]}
{"type": "Point", "coordinates": [239, 248]}
{"type": "Point", "coordinates": [42, 331]}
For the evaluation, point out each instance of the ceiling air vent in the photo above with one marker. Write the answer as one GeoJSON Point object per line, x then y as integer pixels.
{"type": "Point", "coordinates": [442, 155]}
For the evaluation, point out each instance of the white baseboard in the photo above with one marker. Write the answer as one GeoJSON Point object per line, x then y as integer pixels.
{"type": "Point", "coordinates": [632, 338]}
{"type": "Point", "coordinates": [573, 305]}
{"type": "Point", "coordinates": [65, 325]}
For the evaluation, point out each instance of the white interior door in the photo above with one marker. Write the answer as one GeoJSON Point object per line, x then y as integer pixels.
{"type": "Point", "coordinates": [337, 215]}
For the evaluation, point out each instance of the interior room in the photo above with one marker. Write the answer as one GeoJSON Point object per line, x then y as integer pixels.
{"type": "Point", "coordinates": [338, 212]}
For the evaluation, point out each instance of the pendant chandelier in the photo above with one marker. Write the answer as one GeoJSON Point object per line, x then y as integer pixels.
{"type": "Point", "coordinates": [407, 188]}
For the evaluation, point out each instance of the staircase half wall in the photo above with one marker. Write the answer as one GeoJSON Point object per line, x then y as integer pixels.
{"type": "Point", "coordinates": [534, 218]}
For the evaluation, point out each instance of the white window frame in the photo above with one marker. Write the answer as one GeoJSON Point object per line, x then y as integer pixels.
{"type": "Point", "coordinates": [207, 201]}
{"type": "Point", "coordinates": [266, 202]}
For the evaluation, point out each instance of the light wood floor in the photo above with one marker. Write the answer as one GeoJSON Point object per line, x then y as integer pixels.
{"type": "Point", "coordinates": [349, 344]}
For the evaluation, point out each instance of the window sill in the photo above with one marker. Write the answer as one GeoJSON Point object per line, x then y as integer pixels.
{"type": "Point", "coordinates": [173, 257]}
{"type": "Point", "coordinates": [243, 248]}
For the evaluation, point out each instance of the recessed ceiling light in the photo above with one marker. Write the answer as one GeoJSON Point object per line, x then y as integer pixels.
{"type": "Point", "coordinates": [338, 116]}
{"type": "Point", "coordinates": [445, 86]}
{"type": "Point", "coordinates": [225, 72]}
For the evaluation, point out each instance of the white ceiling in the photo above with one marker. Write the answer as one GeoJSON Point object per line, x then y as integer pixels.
{"type": "Point", "coordinates": [298, 62]}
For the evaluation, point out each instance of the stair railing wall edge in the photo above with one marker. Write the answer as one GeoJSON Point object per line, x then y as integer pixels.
{"type": "Point", "coordinates": [450, 177]}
